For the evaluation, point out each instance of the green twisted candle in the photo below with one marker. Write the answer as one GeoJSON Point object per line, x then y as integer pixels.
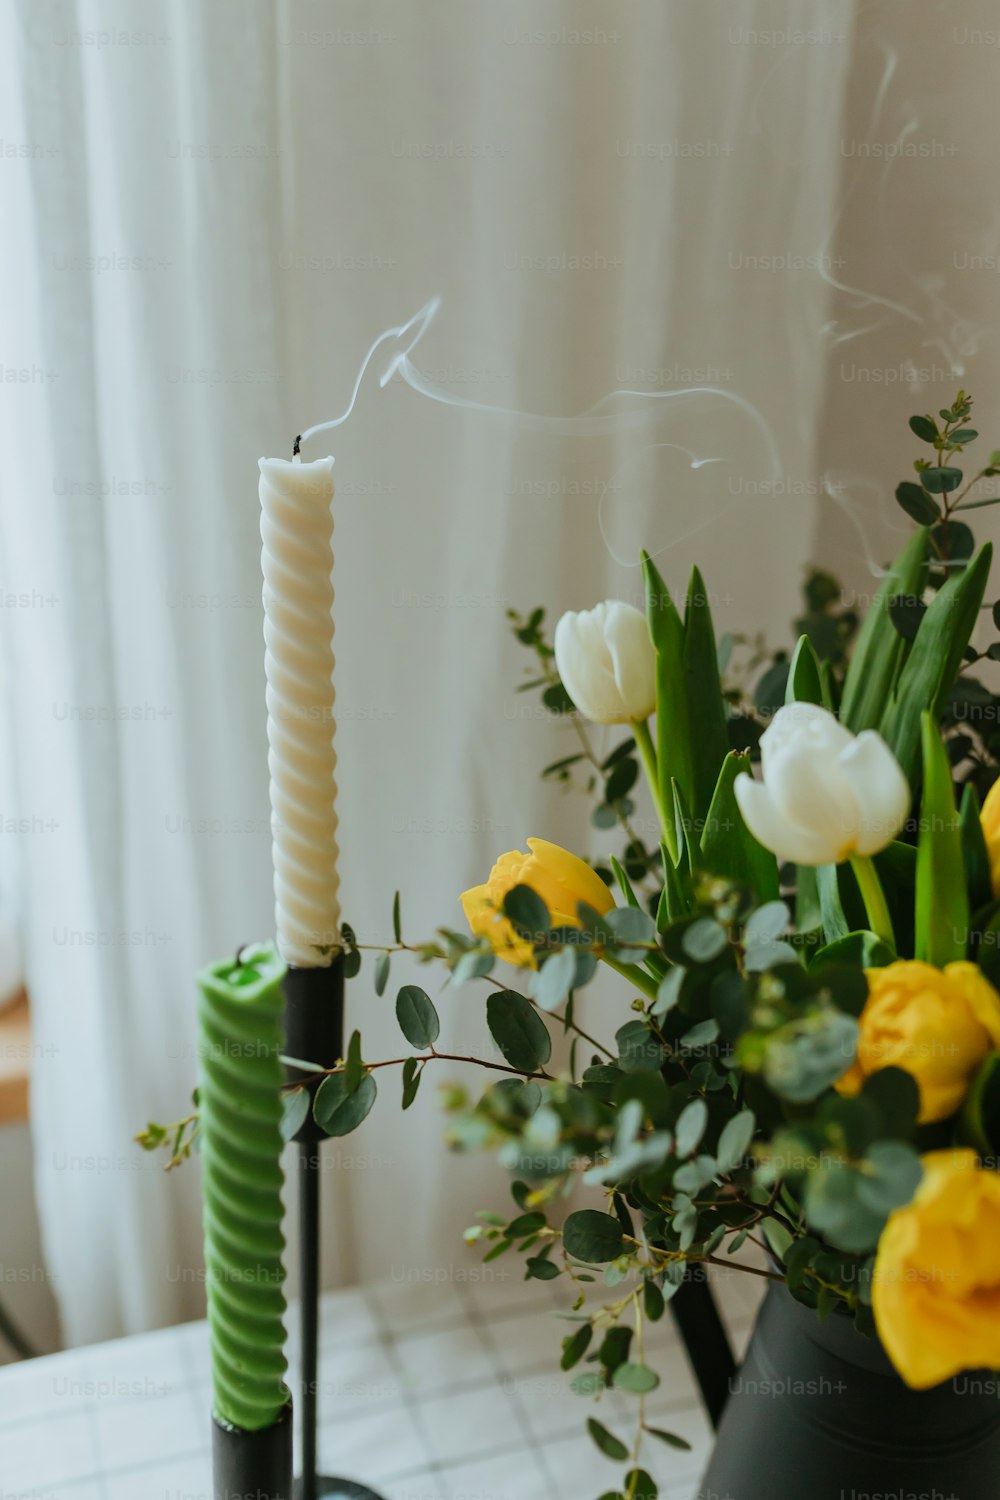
{"type": "Point", "coordinates": [240, 1041]}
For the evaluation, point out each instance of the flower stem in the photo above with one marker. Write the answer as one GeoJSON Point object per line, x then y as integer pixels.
{"type": "Point", "coordinates": [873, 896]}
{"type": "Point", "coordinates": [634, 975]}
{"type": "Point", "coordinates": [644, 741]}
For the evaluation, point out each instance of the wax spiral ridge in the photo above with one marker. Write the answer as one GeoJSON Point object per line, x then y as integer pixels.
{"type": "Point", "coordinates": [297, 562]}
{"type": "Point", "coordinates": [240, 1041]}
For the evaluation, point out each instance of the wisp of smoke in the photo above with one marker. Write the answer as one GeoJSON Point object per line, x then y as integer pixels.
{"type": "Point", "coordinates": [619, 411]}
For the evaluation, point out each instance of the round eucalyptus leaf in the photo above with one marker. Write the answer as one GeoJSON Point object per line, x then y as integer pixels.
{"type": "Point", "coordinates": [637, 1379]}
{"type": "Point", "coordinates": [704, 940]}
{"type": "Point", "coordinates": [554, 980]}
{"type": "Point", "coordinates": [609, 1445]}
{"type": "Point", "coordinates": [528, 912]}
{"type": "Point", "coordinates": [766, 924]}
{"type": "Point", "coordinates": [338, 1112]}
{"type": "Point", "coordinates": [690, 1126]}
{"type": "Point", "coordinates": [294, 1111]}
{"type": "Point", "coordinates": [518, 1031]}
{"type": "Point", "coordinates": [592, 1236]}
{"type": "Point", "coordinates": [418, 1020]}
{"type": "Point", "coordinates": [734, 1141]}
{"type": "Point", "coordinates": [890, 1175]}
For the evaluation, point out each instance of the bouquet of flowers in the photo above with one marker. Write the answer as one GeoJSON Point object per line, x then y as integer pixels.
{"type": "Point", "coordinates": [806, 1059]}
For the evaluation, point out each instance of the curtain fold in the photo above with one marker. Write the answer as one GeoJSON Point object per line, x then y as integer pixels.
{"type": "Point", "coordinates": [238, 202]}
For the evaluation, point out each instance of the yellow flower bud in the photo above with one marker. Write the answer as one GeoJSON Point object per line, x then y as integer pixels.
{"type": "Point", "coordinates": [990, 819]}
{"type": "Point", "coordinates": [562, 881]}
{"type": "Point", "coordinates": [936, 1024]}
{"type": "Point", "coordinates": [936, 1283]}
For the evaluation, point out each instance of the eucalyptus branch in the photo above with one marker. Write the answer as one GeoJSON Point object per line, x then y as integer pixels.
{"type": "Point", "coordinates": [768, 1211]}
{"type": "Point", "coordinates": [178, 1138]}
{"type": "Point", "coordinates": [976, 504]}
{"type": "Point", "coordinates": [736, 1265]}
{"type": "Point", "coordinates": [423, 1058]}
{"type": "Point", "coordinates": [640, 1350]}
{"type": "Point", "coordinates": [672, 1257]}
{"type": "Point", "coordinates": [630, 972]}
{"type": "Point", "coordinates": [851, 1298]}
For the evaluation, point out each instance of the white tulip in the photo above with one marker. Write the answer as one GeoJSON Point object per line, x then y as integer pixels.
{"type": "Point", "coordinates": [607, 663]}
{"type": "Point", "coordinates": [826, 794]}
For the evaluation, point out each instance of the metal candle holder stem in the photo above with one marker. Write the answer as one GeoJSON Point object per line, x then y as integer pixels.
{"type": "Point", "coordinates": [314, 1033]}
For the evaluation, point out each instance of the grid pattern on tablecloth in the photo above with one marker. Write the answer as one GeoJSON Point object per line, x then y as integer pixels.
{"type": "Point", "coordinates": [426, 1392]}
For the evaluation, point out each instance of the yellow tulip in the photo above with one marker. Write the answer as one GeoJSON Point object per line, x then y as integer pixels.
{"type": "Point", "coordinates": [990, 819]}
{"type": "Point", "coordinates": [936, 1281]}
{"type": "Point", "coordinates": [936, 1024]}
{"type": "Point", "coordinates": [562, 881]}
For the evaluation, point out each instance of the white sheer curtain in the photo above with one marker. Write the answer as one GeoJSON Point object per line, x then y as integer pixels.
{"type": "Point", "coordinates": [219, 207]}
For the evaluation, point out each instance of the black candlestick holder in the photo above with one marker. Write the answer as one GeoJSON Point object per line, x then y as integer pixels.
{"type": "Point", "coordinates": [314, 1033]}
{"type": "Point", "coordinates": [252, 1463]}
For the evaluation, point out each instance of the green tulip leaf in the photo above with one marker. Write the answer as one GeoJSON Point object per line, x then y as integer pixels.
{"type": "Point", "coordinates": [706, 708]}
{"type": "Point", "coordinates": [673, 733]}
{"type": "Point", "coordinates": [975, 855]}
{"type": "Point", "coordinates": [862, 949]}
{"type": "Point", "coordinates": [835, 923]}
{"type": "Point", "coordinates": [930, 670]}
{"type": "Point", "coordinates": [980, 1119]}
{"type": "Point", "coordinates": [805, 681]}
{"type": "Point", "coordinates": [684, 830]}
{"type": "Point", "coordinates": [878, 653]}
{"type": "Point", "coordinates": [674, 902]}
{"type": "Point", "coordinates": [728, 848]}
{"type": "Point", "coordinates": [624, 884]}
{"type": "Point", "coordinates": [942, 898]}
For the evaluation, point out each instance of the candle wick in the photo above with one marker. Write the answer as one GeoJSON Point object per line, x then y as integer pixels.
{"type": "Point", "coordinates": [238, 960]}
{"type": "Point", "coordinates": [297, 446]}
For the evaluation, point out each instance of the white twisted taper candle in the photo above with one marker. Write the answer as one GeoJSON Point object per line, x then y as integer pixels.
{"type": "Point", "coordinates": [296, 527]}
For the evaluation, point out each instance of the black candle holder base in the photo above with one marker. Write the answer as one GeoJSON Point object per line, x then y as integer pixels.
{"type": "Point", "coordinates": [253, 1463]}
{"type": "Point", "coordinates": [337, 1489]}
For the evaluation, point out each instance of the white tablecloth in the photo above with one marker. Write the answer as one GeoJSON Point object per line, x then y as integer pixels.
{"type": "Point", "coordinates": [427, 1392]}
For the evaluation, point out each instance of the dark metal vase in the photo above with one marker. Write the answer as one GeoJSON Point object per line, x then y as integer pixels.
{"type": "Point", "coordinates": [817, 1411]}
